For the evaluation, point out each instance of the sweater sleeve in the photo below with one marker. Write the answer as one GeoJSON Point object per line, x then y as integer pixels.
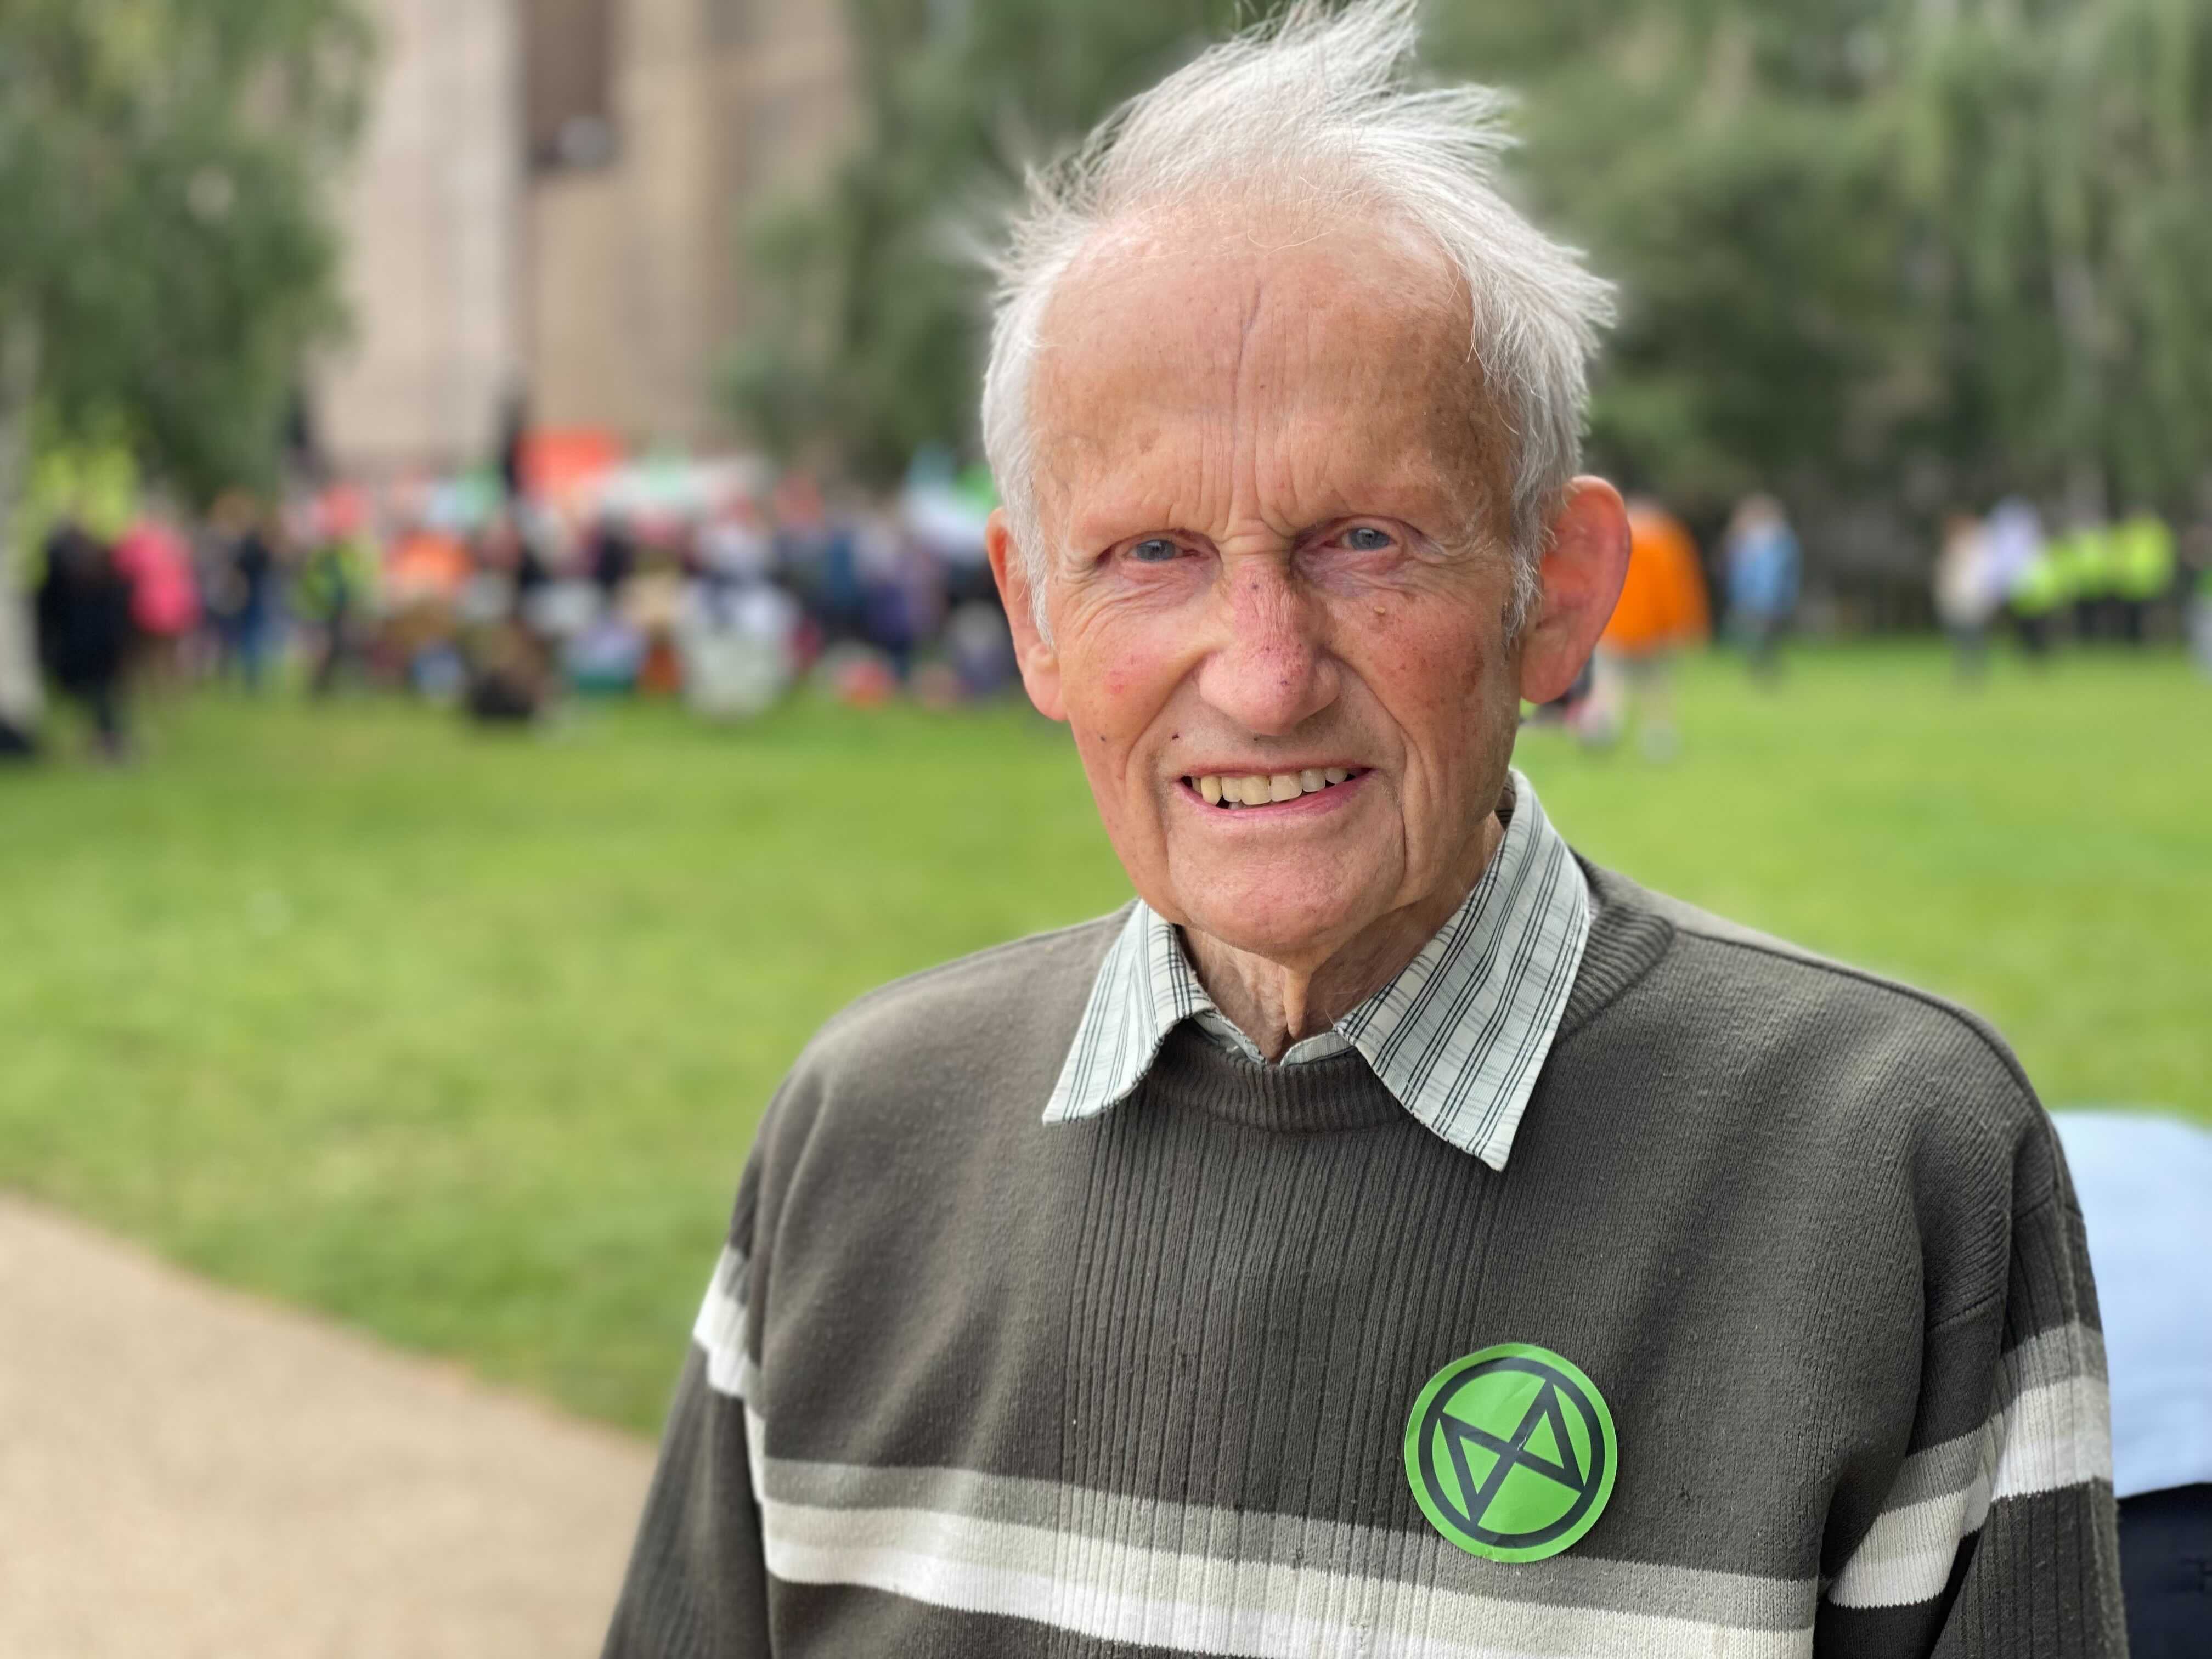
{"type": "Point", "coordinates": [1996, 1539]}
{"type": "Point", "coordinates": [697, 1582]}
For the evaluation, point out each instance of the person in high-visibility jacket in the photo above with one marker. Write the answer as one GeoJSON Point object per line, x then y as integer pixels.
{"type": "Point", "coordinates": [2079, 571]}
{"type": "Point", "coordinates": [335, 590]}
{"type": "Point", "coordinates": [2141, 552]}
{"type": "Point", "coordinates": [2039, 587]}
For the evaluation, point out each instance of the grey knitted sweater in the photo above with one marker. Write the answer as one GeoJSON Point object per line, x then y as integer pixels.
{"type": "Point", "coordinates": [967, 1384]}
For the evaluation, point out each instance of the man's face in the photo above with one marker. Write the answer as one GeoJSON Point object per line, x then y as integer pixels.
{"type": "Point", "coordinates": [1275, 552]}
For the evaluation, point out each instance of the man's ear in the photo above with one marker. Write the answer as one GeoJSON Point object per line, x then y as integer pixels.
{"type": "Point", "coordinates": [1040, 663]}
{"type": "Point", "coordinates": [1581, 578]}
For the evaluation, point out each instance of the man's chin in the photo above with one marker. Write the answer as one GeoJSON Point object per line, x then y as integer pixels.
{"type": "Point", "coordinates": [1296, 906]}
{"type": "Point", "coordinates": [1296, 934]}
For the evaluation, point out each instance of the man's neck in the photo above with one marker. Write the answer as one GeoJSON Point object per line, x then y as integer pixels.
{"type": "Point", "coordinates": [1276, 1004]}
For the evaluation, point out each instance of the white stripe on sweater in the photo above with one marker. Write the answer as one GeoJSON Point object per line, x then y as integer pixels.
{"type": "Point", "coordinates": [719, 1329]}
{"type": "Point", "coordinates": [1162, 1597]}
{"type": "Point", "coordinates": [2053, 1434]}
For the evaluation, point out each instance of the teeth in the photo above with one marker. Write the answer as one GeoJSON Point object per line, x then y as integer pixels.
{"type": "Point", "coordinates": [1260, 788]}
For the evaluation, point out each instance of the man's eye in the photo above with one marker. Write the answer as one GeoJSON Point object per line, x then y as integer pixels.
{"type": "Point", "coordinates": [1154, 549]}
{"type": "Point", "coordinates": [1366, 538]}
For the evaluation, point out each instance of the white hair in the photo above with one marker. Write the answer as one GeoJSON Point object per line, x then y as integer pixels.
{"type": "Point", "coordinates": [1319, 110]}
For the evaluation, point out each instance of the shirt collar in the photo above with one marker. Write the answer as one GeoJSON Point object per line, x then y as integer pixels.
{"type": "Point", "coordinates": [1458, 1037]}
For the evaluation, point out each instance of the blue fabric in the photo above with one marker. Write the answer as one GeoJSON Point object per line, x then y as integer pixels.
{"type": "Point", "coordinates": [2145, 1185]}
{"type": "Point", "coordinates": [1763, 573]}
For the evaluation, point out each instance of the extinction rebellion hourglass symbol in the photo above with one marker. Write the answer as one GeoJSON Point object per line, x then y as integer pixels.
{"type": "Point", "coordinates": [1511, 1453]}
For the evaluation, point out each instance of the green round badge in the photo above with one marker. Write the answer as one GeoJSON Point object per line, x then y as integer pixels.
{"type": "Point", "coordinates": [1511, 1452]}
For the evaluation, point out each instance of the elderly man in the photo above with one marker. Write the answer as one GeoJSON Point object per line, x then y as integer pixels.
{"type": "Point", "coordinates": [1390, 1235]}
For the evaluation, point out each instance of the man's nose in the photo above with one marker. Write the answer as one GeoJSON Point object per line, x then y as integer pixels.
{"type": "Point", "coordinates": [1270, 670]}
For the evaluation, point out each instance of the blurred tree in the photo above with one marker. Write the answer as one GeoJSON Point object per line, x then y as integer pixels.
{"type": "Point", "coordinates": [1928, 251]}
{"type": "Point", "coordinates": [1718, 161]}
{"type": "Point", "coordinates": [1911, 252]}
{"type": "Point", "coordinates": [2057, 160]}
{"type": "Point", "coordinates": [168, 253]}
{"type": "Point", "coordinates": [872, 318]}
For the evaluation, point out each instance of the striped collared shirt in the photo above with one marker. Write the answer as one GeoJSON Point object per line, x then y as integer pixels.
{"type": "Point", "coordinates": [1457, 1037]}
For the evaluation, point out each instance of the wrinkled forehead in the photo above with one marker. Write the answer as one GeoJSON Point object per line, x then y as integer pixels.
{"type": "Point", "coordinates": [1198, 335]}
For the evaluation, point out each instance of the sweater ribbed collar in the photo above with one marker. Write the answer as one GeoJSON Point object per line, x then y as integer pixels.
{"type": "Point", "coordinates": [1457, 1038]}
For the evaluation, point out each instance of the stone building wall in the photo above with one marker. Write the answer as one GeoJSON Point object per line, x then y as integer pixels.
{"type": "Point", "coordinates": [432, 208]}
{"type": "Point", "coordinates": [606, 277]}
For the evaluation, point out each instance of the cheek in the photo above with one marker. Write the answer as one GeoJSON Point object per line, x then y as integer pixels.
{"type": "Point", "coordinates": [1117, 672]}
{"type": "Point", "coordinates": [1115, 694]}
{"type": "Point", "coordinates": [1106, 703]}
{"type": "Point", "coordinates": [1426, 657]}
{"type": "Point", "coordinates": [1442, 681]}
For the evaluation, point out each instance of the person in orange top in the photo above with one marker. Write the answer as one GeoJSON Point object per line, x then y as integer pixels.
{"type": "Point", "coordinates": [1662, 610]}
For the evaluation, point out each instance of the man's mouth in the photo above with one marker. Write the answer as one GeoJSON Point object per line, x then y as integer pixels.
{"type": "Point", "coordinates": [1239, 789]}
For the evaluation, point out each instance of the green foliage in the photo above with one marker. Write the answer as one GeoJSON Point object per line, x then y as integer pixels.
{"type": "Point", "coordinates": [2060, 167]}
{"type": "Point", "coordinates": [1718, 162]}
{"type": "Point", "coordinates": [875, 322]}
{"type": "Point", "coordinates": [1916, 251]}
{"type": "Point", "coordinates": [462, 1037]}
{"type": "Point", "coordinates": [1886, 247]}
{"type": "Point", "coordinates": [165, 172]}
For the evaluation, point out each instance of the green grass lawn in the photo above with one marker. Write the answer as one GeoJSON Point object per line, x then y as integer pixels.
{"type": "Point", "coordinates": [462, 1037]}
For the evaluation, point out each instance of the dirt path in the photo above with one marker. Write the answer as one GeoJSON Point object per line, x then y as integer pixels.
{"type": "Point", "coordinates": [187, 1472]}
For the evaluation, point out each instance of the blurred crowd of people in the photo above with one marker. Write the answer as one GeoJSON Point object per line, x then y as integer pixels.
{"type": "Point", "coordinates": [2123, 582]}
{"type": "Point", "coordinates": [722, 585]}
{"type": "Point", "coordinates": [2093, 580]}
